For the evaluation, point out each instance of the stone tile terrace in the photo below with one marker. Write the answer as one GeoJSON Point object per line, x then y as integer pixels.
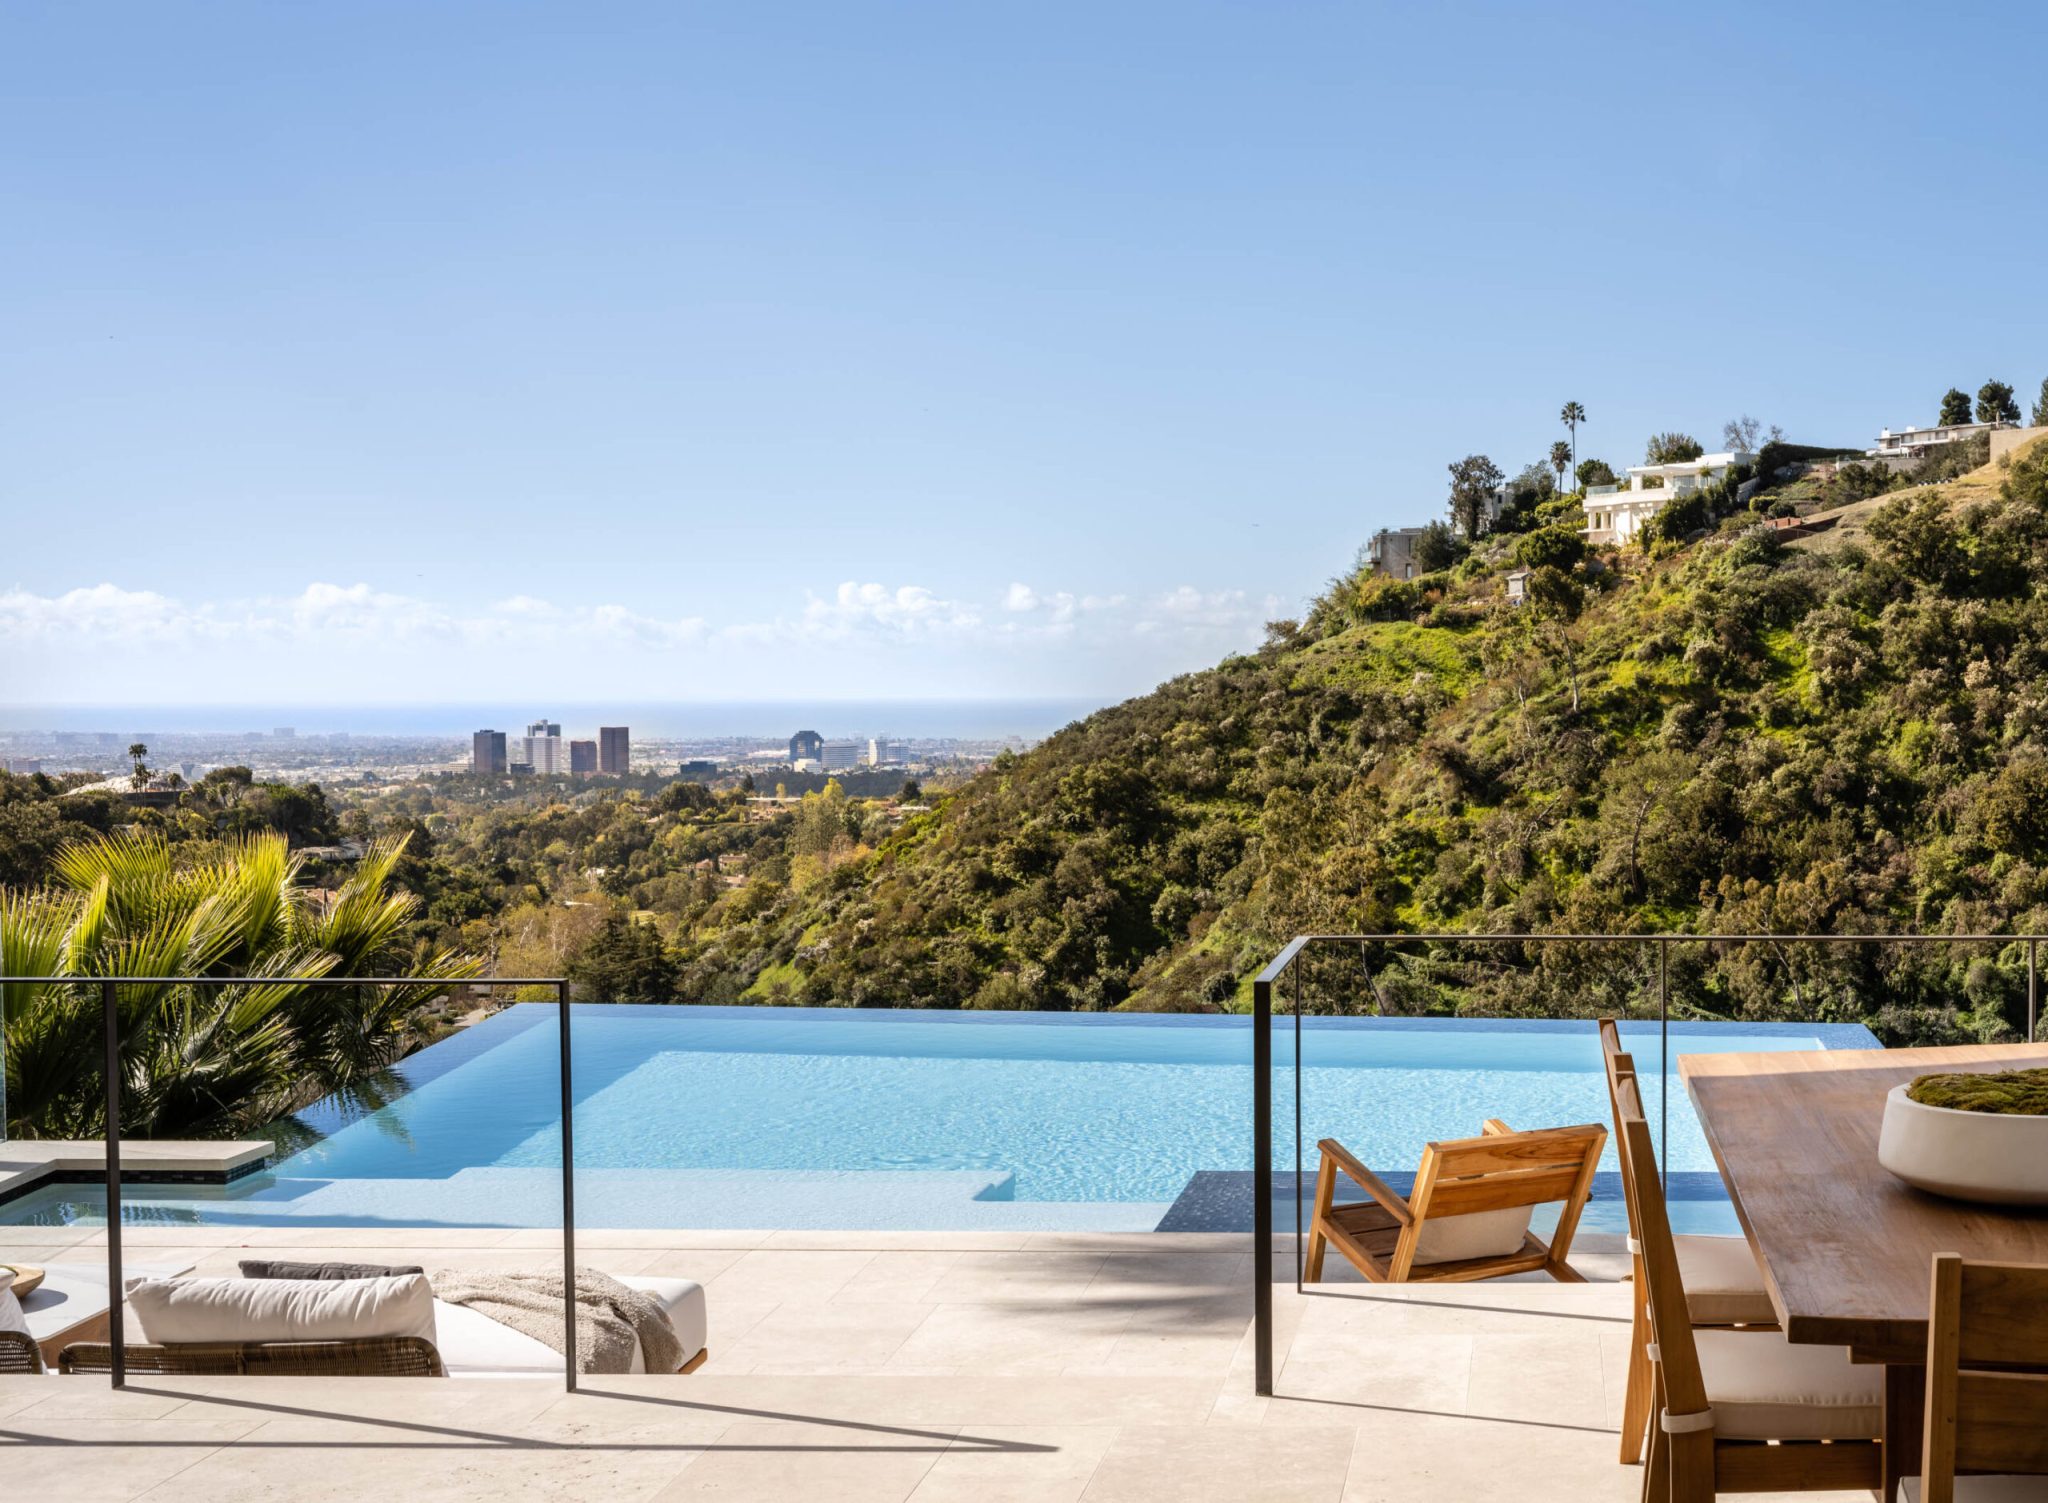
{"type": "Point", "coordinates": [890, 1366]}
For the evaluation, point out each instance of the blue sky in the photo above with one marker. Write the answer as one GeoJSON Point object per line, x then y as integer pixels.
{"type": "Point", "coordinates": [400, 351]}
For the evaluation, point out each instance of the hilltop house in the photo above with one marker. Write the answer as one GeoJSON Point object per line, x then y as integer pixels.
{"type": "Point", "coordinates": [1616, 513]}
{"type": "Point", "coordinates": [1391, 551]}
{"type": "Point", "coordinates": [1916, 443]}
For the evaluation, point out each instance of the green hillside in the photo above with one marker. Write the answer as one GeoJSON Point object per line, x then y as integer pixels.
{"type": "Point", "coordinates": [1724, 733]}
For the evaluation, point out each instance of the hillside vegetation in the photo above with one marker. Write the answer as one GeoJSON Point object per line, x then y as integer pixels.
{"type": "Point", "coordinates": [1725, 734]}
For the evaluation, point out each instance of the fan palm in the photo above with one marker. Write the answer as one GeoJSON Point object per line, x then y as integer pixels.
{"type": "Point", "coordinates": [1573, 415]}
{"type": "Point", "coordinates": [1560, 460]}
{"type": "Point", "coordinates": [200, 1060]}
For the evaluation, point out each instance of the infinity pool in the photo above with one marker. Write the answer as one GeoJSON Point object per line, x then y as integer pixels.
{"type": "Point", "coordinates": [756, 1117]}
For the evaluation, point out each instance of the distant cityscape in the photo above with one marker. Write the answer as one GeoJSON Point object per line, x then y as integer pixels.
{"type": "Point", "coordinates": [540, 750]}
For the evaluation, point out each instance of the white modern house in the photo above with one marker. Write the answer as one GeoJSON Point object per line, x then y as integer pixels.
{"type": "Point", "coordinates": [1914, 443]}
{"type": "Point", "coordinates": [1616, 513]}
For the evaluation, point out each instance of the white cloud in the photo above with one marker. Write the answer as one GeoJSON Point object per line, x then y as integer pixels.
{"type": "Point", "coordinates": [100, 611]}
{"type": "Point", "coordinates": [864, 633]}
{"type": "Point", "coordinates": [876, 609]}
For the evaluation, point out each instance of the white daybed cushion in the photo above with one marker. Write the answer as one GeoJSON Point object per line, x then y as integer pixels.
{"type": "Point", "coordinates": [1723, 1285]}
{"type": "Point", "coordinates": [472, 1343]}
{"type": "Point", "coordinates": [181, 1310]}
{"type": "Point", "coordinates": [1763, 1387]}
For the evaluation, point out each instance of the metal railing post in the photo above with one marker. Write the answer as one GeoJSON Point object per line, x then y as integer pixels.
{"type": "Point", "coordinates": [2033, 986]}
{"type": "Point", "coordinates": [1262, 1185]}
{"type": "Point", "coordinates": [1297, 1130]}
{"type": "Point", "coordinates": [116, 1294]}
{"type": "Point", "coordinates": [568, 1197]}
{"type": "Point", "coordinates": [1664, 1049]}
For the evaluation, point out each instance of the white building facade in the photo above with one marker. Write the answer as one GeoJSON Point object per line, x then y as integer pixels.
{"type": "Point", "coordinates": [1616, 514]}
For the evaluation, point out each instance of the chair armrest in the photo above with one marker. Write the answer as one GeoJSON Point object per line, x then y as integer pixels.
{"type": "Point", "coordinates": [1335, 1153]}
{"type": "Point", "coordinates": [1493, 1127]}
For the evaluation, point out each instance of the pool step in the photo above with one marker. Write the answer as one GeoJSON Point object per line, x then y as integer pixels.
{"type": "Point", "coordinates": [707, 1199]}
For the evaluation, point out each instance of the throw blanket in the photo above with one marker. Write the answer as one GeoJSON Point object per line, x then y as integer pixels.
{"type": "Point", "coordinates": [611, 1320]}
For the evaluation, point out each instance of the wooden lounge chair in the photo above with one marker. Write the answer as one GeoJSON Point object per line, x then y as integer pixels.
{"type": "Point", "coordinates": [1723, 1285]}
{"type": "Point", "coordinates": [1739, 1411]}
{"type": "Point", "coordinates": [1985, 1316]}
{"type": "Point", "coordinates": [1468, 1214]}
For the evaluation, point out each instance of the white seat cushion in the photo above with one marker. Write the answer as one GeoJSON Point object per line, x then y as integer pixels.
{"type": "Point", "coordinates": [1763, 1387]}
{"type": "Point", "coordinates": [1483, 1234]}
{"type": "Point", "coordinates": [1723, 1285]}
{"type": "Point", "coordinates": [1984, 1489]}
{"type": "Point", "coordinates": [472, 1343]}
{"type": "Point", "coordinates": [189, 1310]}
{"type": "Point", "coordinates": [12, 1317]}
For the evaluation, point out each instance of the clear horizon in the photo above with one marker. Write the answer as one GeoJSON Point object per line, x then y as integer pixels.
{"type": "Point", "coordinates": [917, 350]}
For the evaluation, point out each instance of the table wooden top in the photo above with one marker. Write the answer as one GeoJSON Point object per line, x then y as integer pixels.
{"type": "Point", "coordinates": [1845, 1247]}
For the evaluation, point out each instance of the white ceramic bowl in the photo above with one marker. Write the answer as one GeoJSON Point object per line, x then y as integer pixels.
{"type": "Point", "coordinates": [1980, 1156]}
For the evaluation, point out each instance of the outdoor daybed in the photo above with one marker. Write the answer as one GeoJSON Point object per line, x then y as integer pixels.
{"type": "Point", "coordinates": [389, 1326]}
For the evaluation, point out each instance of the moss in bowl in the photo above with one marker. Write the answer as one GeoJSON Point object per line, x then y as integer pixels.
{"type": "Point", "coordinates": [2005, 1093]}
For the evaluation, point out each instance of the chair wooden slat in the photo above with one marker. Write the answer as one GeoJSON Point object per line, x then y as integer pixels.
{"type": "Point", "coordinates": [1987, 1373]}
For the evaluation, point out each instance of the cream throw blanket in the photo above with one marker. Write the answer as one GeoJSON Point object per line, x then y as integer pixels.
{"type": "Point", "coordinates": [611, 1320]}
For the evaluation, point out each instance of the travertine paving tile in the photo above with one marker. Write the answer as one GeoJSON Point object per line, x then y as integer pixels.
{"type": "Point", "coordinates": [787, 1460]}
{"type": "Point", "coordinates": [827, 1338]}
{"type": "Point", "coordinates": [768, 1275]}
{"type": "Point", "coordinates": [1017, 1277]}
{"type": "Point", "coordinates": [970, 1338]}
{"type": "Point", "coordinates": [893, 1277]}
{"type": "Point", "coordinates": [1196, 1463]}
{"type": "Point", "coordinates": [1017, 1464]}
{"type": "Point", "coordinates": [101, 1461]}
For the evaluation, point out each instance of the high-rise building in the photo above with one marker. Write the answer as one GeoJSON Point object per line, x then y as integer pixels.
{"type": "Point", "coordinates": [836, 756]}
{"type": "Point", "coordinates": [582, 757]}
{"type": "Point", "coordinates": [284, 733]}
{"type": "Point", "coordinates": [614, 749]}
{"type": "Point", "coordinates": [884, 753]}
{"type": "Point", "coordinates": [543, 749]}
{"type": "Point", "coordinates": [487, 752]}
{"type": "Point", "coordinates": [806, 746]}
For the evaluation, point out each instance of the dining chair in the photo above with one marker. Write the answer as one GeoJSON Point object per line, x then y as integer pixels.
{"type": "Point", "coordinates": [1724, 1287]}
{"type": "Point", "coordinates": [1467, 1215]}
{"type": "Point", "coordinates": [1987, 1385]}
{"type": "Point", "coordinates": [1737, 1411]}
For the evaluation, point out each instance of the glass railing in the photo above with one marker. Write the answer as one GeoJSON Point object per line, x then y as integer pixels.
{"type": "Point", "coordinates": [1388, 1042]}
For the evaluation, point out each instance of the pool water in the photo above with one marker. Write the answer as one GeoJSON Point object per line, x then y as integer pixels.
{"type": "Point", "coordinates": [757, 1117]}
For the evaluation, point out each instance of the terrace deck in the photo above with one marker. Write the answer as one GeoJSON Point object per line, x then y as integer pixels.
{"type": "Point", "coordinates": [892, 1366]}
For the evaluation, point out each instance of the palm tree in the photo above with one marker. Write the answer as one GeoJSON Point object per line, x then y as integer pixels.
{"type": "Point", "coordinates": [204, 1060]}
{"type": "Point", "coordinates": [1560, 457]}
{"type": "Point", "coordinates": [1573, 415]}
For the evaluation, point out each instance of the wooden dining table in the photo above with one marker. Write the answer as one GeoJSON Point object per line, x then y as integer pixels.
{"type": "Point", "coordinates": [1846, 1249]}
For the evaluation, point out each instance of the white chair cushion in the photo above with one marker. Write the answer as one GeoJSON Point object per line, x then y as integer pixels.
{"type": "Point", "coordinates": [12, 1317]}
{"type": "Point", "coordinates": [472, 1343]}
{"type": "Point", "coordinates": [184, 1310]}
{"type": "Point", "coordinates": [1723, 1285]}
{"type": "Point", "coordinates": [1984, 1489]}
{"type": "Point", "coordinates": [1483, 1234]}
{"type": "Point", "coordinates": [1763, 1387]}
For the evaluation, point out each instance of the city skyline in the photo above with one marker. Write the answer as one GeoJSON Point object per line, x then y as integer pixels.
{"type": "Point", "coordinates": [681, 353]}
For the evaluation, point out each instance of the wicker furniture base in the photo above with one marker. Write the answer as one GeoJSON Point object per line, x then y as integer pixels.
{"type": "Point", "coordinates": [381, 1357]}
